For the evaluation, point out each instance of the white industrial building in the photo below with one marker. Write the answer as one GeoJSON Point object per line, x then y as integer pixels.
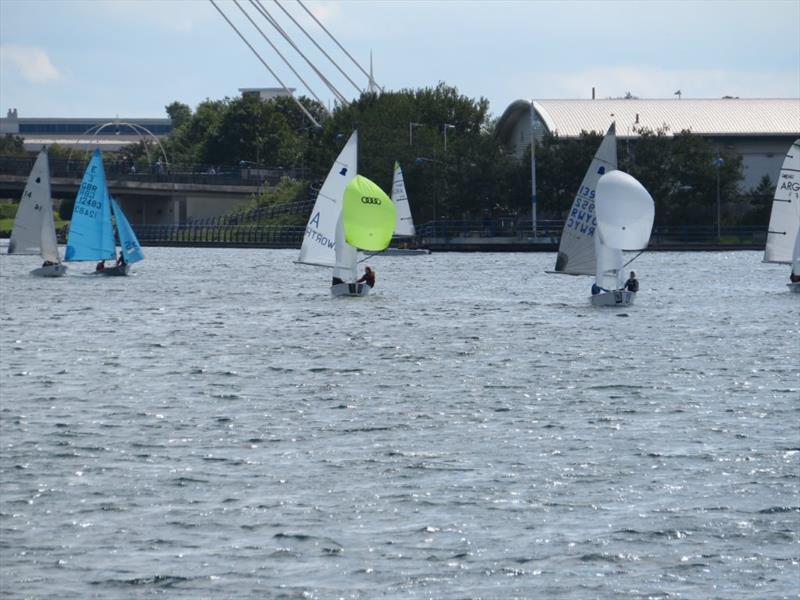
{"type": "Point", "coordinates": [760, 130]}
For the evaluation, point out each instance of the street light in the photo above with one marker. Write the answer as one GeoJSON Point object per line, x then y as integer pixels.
{"type": "Point", "coordinates": [445, 127]}
{"type": "Point", "coordinates": [411, 132]}
{"type": "Point", "coordinates": [423, 159]}
{"type": "Point", "coordinates": [718, 162]}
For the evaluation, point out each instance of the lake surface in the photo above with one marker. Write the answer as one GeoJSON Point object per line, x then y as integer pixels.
{"type": "Point", "coordinates": [217, 426]}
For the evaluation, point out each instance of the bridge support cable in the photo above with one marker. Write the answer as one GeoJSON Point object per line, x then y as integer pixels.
{"type": "Point", "coordinates": [313, 41]}
{"type": "Point", "coordinates": [272, 21]}
{"type": "Point", "coordinates": [266, 66]}
{"type": "Point", "coordinates": [278, 52]}
{"type": "Point", "coordinates": [369, 76]}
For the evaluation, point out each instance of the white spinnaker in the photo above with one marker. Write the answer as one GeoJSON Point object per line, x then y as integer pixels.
{"type": "Point", "coordinates": [784, 219]}
{"type": "Point", "coordinates": [320, 238]}
{"type": "Point", "coordinates": [625, 212]}
{"type": "Point", "coordinates": [33, 211]}
{"type": "Point", "coordinates": [576, 254]}
{"type": "Point", "coordinates": [405, 222]}
{"type": "Point", "coordinates": [608, 263]}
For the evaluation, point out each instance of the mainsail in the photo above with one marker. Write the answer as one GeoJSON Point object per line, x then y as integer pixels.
{"type": "Point", "coordinates": [785, 217]}
{"type": "Point", "coordinates": [320, 238]}
{"type": "Point", "coordinates": [129, 244]}
{"type": "Point", "coordinates": [576, 251]}
{"type": "Point", "coordinates": [405, 222]}
{"type": "Point", "coordinates": [91, 234]}
{"type": "Point", "coordinates": [34, 229]}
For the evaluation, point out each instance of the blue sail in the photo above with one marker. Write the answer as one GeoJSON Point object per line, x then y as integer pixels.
{"type": "Point", "coordinates": [130, 248]}
{"type": "Point", "coordinates": [91, 236]}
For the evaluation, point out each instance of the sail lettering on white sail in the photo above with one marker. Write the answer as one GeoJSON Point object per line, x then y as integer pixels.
{"type": "Point", "coordinates": [784, 219]}
{"type": "Point", "coordinates": [576, 251]}
{"type": "Point", "coordinates": [319, 243]}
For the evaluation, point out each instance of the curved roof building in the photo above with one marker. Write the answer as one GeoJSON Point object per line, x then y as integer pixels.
{"type": "Point", "coordinates": [760, 129]}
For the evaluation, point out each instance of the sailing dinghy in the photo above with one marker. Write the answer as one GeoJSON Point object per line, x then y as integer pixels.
{"type": "Point", "coordinates": [405, 222]}
{"type": "Point", "coordinates": [625, 213]}
{"type": "Point", "coordinates": [783, 234]}
{"type": "Point", "coordinates": [576, 250]}
{"type": "Point", "coordinates": [34, 229]}
{"type": "Point", "coordinates": [91, 232]}
{"type": "Point", "coordinates": [335, 234]}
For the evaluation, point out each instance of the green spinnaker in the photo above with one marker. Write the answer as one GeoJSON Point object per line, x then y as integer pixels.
{"type": "Point", "coordinates": [368, 215]}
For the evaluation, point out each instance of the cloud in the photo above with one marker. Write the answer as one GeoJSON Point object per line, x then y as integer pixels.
{"type": "Point", "coordinates": [32, 63]}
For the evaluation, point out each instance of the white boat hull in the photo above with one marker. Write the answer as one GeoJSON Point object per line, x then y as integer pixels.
{"type": "Point", "coordinates": [794, 287]}
{"type": "Point", "coordinates": [50, 271]}
{"type": "Point", "coordinates": [615, 298]}
{"type": "Point", "coordinates": [350, 289]}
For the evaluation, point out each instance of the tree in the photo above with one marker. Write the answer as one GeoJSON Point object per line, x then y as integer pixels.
{"type": "Point", "coordinates": [12, 144]}
{"type": "Point", "coordinates": [178, 113]}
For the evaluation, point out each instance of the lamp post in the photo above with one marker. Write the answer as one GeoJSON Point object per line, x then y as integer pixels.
{"type": "Point", "coordinates": [445, 127]}
{"type": "Point", "coordinates": [423, 159]}
{"type": "Point", "coordinates": [411, 126]}
{"type": "Point", "coordinates": [718, 162]}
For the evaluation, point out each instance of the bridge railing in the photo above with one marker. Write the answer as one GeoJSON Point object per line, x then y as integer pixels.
{"type": "Point", "coordinates": [122, 170]}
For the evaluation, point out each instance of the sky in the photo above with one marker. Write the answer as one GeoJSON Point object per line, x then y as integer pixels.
{"type": "Point", "coordinates": [131, 58]}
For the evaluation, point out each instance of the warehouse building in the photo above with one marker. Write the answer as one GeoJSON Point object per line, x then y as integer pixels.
{"type": "Point", "coordinates": [760, 130]}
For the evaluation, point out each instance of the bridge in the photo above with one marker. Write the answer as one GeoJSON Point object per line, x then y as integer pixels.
{"type": "Point", "coordinates": [159, 195]}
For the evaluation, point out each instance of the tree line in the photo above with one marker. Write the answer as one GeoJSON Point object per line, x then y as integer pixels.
{"type": "Point", "coordinates": [472, 176]}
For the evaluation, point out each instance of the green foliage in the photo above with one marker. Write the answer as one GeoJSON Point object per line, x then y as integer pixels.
{"type": "Point", "coordinates": [65, 209]}
{"type": "Point", "coordinates": [12, 144]}
{"type": "Point", "coordinates": [178, 113]}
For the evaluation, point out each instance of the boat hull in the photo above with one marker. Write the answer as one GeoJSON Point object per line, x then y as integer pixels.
{"type": "Point", "coordinates": [794, 287]}
{"type": "Point", "coordinates": [115, 271]}
{"type": "Point", "coordinates": [405, 251]}
{"type": "Point", "coordinates": [350, 289]}
{"type": "Point", "coordinates": [615, 298]}
{"type": "Point", "coordinates": [50, 271]}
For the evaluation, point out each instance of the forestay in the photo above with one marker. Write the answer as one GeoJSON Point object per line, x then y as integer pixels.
{"type": "Point", "coordinates": [576, 251]}
{"type": "Point", "coordinates": [405, 222]}
{"type": "Point", "coordinates": [130, 248]}
{"type": "Point", "coordinates": [34, 230]}
{"type": "Point", "coordinates": [91, 235]}
{"type": "Point", "coordinates": [319, 243]}
{"type": "Point", "coordinates": [785, 217]}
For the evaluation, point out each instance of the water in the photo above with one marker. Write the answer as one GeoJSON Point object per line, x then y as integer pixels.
{"type": "Point", "coordinates": [216, 426]}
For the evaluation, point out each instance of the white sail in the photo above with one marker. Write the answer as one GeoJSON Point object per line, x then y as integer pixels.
{"type": "Point", "coordinates": [796, 253]}
{"type": "Point", "coordinates": [34, 230]}
{"type": "Point", "coordinates": [320, 239]}
{"type": "Point", "coordinates": [576, 254]}
{"type": "Point", "coordinates": [785, 217]}
{"type": "Point", "coordinates": [608, 264]}
{"type": "Point", "coordinates": [625, 212]}
{"type": "Point", "coordinates": [405, 222]}
{"type": "Point", "coordinates": [346, 266]}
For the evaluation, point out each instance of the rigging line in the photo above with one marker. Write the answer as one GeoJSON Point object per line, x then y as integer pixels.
{"type": "Point", "coordinates": [278, 52]}
{"type": "Point", "coordinates": [634, 258]}
{"type": "Point", "coordinates": [272, 21]}
{"type": "Point", "coordinates": [313, 41]}
{"type": "Point", "coordinates": [239, 33]}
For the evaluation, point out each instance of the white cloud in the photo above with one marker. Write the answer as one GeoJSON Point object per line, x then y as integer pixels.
{"type": "Point", "coordinates": [32, 63]}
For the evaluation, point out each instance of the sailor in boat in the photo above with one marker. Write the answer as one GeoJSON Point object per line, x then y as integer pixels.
{"type": "Point", "coordinates": [101, 266]}
{"type": "Point", "coordinates": [632, 285]}
{"type": "Point", "coordinates": [368, 277]}
{"type": "Point", "coordinates": [337, 281]}
{"type": "Point", "coordinates": [596, 289]}
{"type": "Point", "coordinates": [794, 278]}
{"type": "Point", "coordinates": [121, 259]}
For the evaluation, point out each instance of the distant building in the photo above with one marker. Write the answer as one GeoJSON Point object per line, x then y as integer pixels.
{"type": "Point", "coordinates": [267, 93]}
{"type": "Point", "coordinates": [105, 133]}
{"type": "Point", "coordinates": [760, 130]}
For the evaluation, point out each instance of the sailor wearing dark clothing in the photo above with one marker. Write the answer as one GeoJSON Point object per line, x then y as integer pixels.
{"type": "Point", "coordinates": [596, 289]}
{"type": "Point", "coordinates": [632, 285]}
{"type": "Point", "coordinates": [368, 277]}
